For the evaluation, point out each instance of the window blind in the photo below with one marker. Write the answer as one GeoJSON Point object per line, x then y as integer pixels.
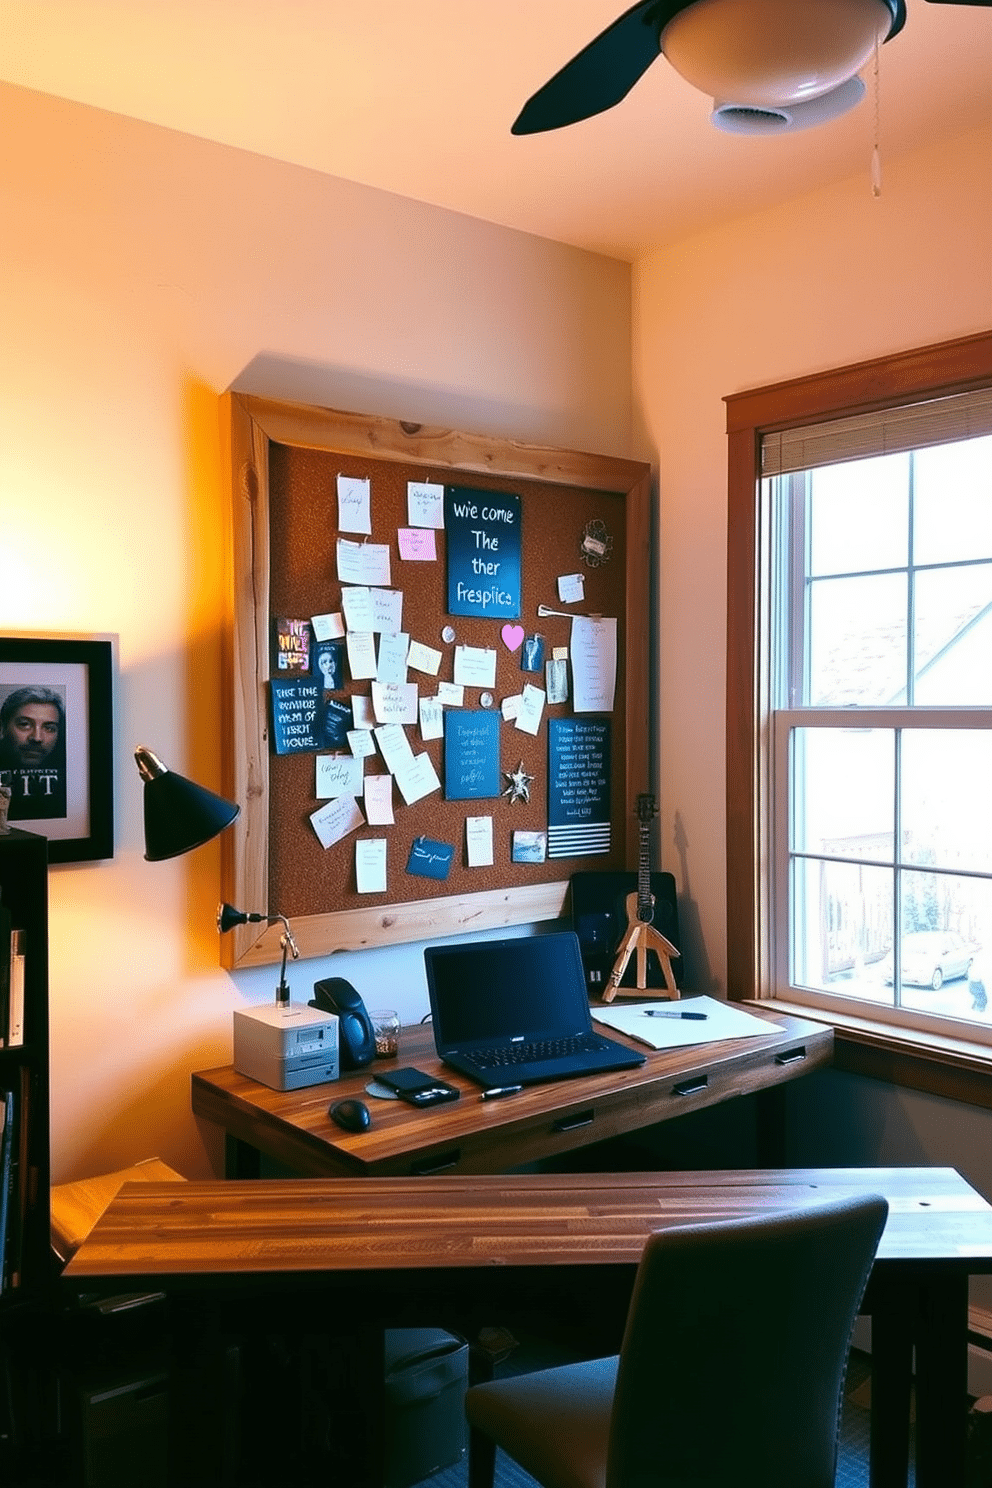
{"type": "Point", "coordinates": [884, 432]}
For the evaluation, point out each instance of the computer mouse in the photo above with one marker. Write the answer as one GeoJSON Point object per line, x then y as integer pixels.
{"type": "Point", "coordinates": [353, 1115]}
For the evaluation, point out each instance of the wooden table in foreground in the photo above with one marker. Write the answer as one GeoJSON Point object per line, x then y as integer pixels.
{"type": "Point", "coordinates": [370, 1245]}
{"type": "Point", "coordinates": [475, 1136]}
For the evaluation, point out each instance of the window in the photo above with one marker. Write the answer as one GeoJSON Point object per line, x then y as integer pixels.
{"type": "Point", "coordinates": [860, 692]}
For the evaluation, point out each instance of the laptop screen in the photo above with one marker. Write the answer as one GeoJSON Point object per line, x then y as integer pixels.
{"type": "Point", "coordinates": [502, 989]}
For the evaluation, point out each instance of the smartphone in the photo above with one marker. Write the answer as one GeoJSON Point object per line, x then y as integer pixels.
{"type": "Point", "coordinates": [418, 1088]}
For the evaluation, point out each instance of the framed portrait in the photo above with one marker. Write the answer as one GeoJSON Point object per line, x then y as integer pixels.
{"type": "Point", "coordinates": [56, 742]}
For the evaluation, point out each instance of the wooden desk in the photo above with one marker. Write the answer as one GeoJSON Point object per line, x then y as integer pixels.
{"type": "Point", "coordinates": [475, 1136]}
{"type": "Point", "coordinates": [375, 1243]}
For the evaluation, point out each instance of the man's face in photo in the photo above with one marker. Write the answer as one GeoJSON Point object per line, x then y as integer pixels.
{"type": "Point", "coordinates": [34, 732]}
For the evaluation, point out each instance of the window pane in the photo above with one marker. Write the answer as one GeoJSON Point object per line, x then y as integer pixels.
{"type": "Point", "coordinates": [857, 648]}
{"type": "Point", "coordinates": [953, 627]}
{"type": "Point", "coordinates": [952, 508]}
{"type": "Point", "coordinates": [947, 798]}
{"type": "Point", "coordinates": [947, 933]}
{"type": "Point", "coordinates": [843, 793]}
{"type": "Point", "coordinates": [841, 927]}
{"type": "Point", "coordinates": [858, 515]}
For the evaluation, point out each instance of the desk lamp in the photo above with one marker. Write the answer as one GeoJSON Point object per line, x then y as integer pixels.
{"type": "Point", "coordinates": [179, 815]}
{"type": "Point", "coordinates": [228, 917]}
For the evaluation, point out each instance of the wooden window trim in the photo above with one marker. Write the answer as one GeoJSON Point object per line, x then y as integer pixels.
{"type": "Point", "coordinates": [940, 1066]}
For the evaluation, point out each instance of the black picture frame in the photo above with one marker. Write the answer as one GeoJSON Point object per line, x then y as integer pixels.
{"type": "Point", "coordinates": [79, 823]}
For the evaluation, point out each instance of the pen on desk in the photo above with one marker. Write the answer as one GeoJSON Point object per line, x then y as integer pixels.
{"type": "Point", "coordinates": [500, 1090]}
{"type": "Point", "coordinates": [664, 1013]}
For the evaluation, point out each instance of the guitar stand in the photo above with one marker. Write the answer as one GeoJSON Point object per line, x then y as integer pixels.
{"type": "Point", "coordinates": [642, 937]}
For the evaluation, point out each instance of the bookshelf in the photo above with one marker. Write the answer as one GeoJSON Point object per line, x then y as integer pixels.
{"type": "Point", "coordinates": [24, 1068]}
{"type": "Point", "coordinates": [28, 1272]}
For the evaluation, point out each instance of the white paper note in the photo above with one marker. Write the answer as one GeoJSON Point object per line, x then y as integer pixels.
{"type": "Point", "coordinates": [362, 563]}
{"type": "Point", "coordinates": [336, 820]}
{"type": "Point", "coordinates": [450, 695]}
{"type": "Point", "coordinates": [510, 707]}
{"type": "Point", "coordinates": [387, 609]}
{"type": "Point", "coordinates": [354, 504]}
{"type": "Point", "coordinates": [594, 664]}
{"type": "Point", "coordinates": [571, 588]}
{"type": "Point", "coordinates": [391, 664]}
{"type": "Point", "coordinates": [424, 504]}
{"type": "Point", "coordinates": [370, 865]}
{"type": "Point", "coordinates": [531, 708]}
{"type": "Point", "coordinates": [338, 775]}
{"type": "Point", "coordinates": [475, 666]}
{"type": "Point", "coordinates": [361, 711]}
{"type": "Point", "coordinates": [328, 627]}
{"type": "Point", "coordinates": [379, 800]}
{"type": "Point", "coordinates": [431, 718]}
{"type": "Point", "coordinates": [361, 742]}
{"type": "Point", "coordinates": [394, 746]}
{"type": "Point", "coordinates": [395, 702]}
{"type": "Point", "coordinates": [424, 659]}
{"type": "Point", "coordinates": [361, 654]}
{"type": "Point", "coordinates": [479, 841]}
{"type": "Point", "coordinates": [356, 602]}
{"type": "Point", "coordinates": [417, 778]}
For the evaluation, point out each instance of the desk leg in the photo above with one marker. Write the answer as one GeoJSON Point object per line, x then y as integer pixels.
{"type": "Point", "coordinates": [240, 1159]}
{"type": "Point", "coordinates": [770, 1127]}
{"type": "Point", "coordinates": [892, 1327]}
{"type": "Point", "coordinates": [942, 1383]}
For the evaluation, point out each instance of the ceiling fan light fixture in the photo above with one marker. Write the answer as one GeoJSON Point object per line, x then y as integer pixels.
{"type": "Point", "coordinates": [765, 119]}
{"type": "Point", "coordinates": [774, 53]}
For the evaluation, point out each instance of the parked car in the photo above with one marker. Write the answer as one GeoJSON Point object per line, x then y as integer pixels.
{"type": "Point", "coordinates": [931, 957]}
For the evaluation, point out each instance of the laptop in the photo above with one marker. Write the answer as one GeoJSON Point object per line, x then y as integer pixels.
{"type": "Point", "coordinates": [516, 1012]}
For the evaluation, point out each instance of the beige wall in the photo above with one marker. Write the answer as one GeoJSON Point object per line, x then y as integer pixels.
{"type": "Point", "coordinates": [143, 272]}
{"type": "Point", "coordinates": [828, 279]}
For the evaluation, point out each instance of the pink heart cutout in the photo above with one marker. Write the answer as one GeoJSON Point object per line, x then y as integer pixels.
{"type": "Point", "coordinates": [512, 636]}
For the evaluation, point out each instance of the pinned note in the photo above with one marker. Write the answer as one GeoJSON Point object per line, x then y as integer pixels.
{"type": "Point", "coordinates": [370, 865]}
{"type": "Point", "coordinates": [336, 820]}
{"type": "Point", "coordinates": [362, 563]}
{"type": "Point", "coordinates": [354, 504]}
{"type": "Point", "coordinates": [417, 545]}
{"type": "Point", "coordinates": [479, 841]}
{"type": "Point", "coordinates": [424, 504]}
{"type": "Point", "coordinates": [338, 775]}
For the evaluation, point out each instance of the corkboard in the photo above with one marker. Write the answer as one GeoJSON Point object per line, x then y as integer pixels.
{"type": "Point", "coordinates": [283, 464]}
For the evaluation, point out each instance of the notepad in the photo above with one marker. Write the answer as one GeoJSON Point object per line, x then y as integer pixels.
{"type": "Point", "coordinates": [723, 1021]}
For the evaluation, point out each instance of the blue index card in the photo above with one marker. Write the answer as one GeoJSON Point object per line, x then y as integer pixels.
{"type": "Point", "coordinates": [429, 859]}
{"type": "Point", "coordinates": [295, 704]}
{"type": "Point", "coordinates": [471, 754]}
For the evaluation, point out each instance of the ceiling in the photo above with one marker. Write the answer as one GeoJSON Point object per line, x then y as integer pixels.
{"type": "Point", "coordinates": [417, 97]}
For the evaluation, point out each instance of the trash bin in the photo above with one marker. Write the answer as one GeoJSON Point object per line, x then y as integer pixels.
{"type": "Point", "coordinates": [425, 1383]}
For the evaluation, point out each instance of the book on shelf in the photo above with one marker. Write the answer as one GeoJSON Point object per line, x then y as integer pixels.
{"type": "Point", "coordinates": [8, 1151]}
{"type": "Point", "coordinates": [15, 1006]}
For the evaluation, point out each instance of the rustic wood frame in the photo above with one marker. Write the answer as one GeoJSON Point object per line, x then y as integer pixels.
{"type": "Point", "coordinates": [251, 424]}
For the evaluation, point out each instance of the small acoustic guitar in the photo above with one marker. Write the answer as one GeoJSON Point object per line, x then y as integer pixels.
{"type": "Point", "coordinates": [641, 935]}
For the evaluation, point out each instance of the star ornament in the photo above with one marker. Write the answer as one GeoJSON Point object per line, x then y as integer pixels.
{"type": "Point", "coordinates": [519, 786]}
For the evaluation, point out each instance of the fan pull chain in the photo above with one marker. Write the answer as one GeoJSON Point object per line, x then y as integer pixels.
{"type": "Point", "coordinates": [876, 158]}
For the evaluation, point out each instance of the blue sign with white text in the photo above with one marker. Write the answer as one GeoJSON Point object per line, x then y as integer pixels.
{"type": "Point", "coordinates": [483, 544]}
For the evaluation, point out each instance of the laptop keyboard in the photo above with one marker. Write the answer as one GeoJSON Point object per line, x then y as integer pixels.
{"type": "Point", "coordinates": [535, 1052]}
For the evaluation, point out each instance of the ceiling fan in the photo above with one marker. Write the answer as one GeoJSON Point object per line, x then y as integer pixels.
{"type": "Point", "coordinates": [768, 64]}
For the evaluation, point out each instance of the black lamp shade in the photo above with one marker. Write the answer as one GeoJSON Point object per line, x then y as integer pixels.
{"type": "Point", "coordinates": [179, 815]}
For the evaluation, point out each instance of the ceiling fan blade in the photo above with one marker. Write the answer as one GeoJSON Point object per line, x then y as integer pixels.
{"type": "Point", "coordinates": [603, 72]}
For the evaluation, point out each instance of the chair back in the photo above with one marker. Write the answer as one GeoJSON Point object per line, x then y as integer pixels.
{"type": "Point", "coordinates": [732, 1367]}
